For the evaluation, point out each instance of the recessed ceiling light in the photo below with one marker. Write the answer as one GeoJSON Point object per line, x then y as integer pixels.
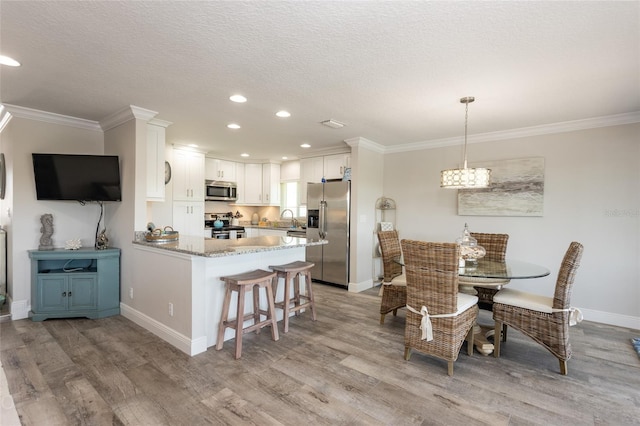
{"type": "Point", "coordinates": [244, 154]}
{"type": "Point", "coordinates": [233, 126]}
{"type": "Point", "coordinates": [285, 158]}
{"type": "Point", "coordinates": [193, 145]}
{"type": "Point", "coordinates": [305, 145]}
{"type": "Point", "coordinates": [238, 98]}
{"type": "Point", "coordinates": [283, 114]}
{"type": "Point", "coordinates": [5, 60]}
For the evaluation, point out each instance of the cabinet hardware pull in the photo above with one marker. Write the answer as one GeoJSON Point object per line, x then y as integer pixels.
{"type": "Point", "coordinates": [64, 294]}
{"type": "Point", "coordinates": [69, 294]}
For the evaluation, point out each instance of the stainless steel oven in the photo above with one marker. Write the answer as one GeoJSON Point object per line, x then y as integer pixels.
{"type": "Point", "coordinates": [226, 234]}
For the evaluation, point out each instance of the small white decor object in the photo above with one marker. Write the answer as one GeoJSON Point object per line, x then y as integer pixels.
{"type": "Point", "coordinates": [386, 226]}
{"type": "Point", "coordinates": [74, 244]}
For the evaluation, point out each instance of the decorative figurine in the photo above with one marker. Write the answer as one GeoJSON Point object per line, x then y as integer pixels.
{"type": "Point", "coordinates": [102, 242]}
{"type": "Point", "coordinates": [47, 231]}
{"type": "Point", "coordinates": [74, 244]}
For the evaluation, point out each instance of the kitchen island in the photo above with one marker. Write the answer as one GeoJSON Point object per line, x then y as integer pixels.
{"type": "Point", "coordinates": [176, 291]}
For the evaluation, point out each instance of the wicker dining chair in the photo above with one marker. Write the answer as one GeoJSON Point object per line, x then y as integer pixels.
{"type": "Point", "coordinates": [432, 283]}
{"type": "Point", "coordinates": [496, 250]}
{"type": "Point", "coordinates": [394, 285]}
{"type": "Point", "coordinates": [545, 319]}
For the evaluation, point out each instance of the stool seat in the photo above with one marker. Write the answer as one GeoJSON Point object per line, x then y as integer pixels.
{"type": "Point", "coordinates": [244, 283]}
{"type": "Point", "coordinates": [292, 272]}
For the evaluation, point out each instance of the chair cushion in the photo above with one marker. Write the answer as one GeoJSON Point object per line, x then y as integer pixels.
{"type": "Point", "coordinates": [521, 299]}
{"type": "Point", "coordinates": [465, 301]}
{"type": "Point", "coordinates": [399, 280]}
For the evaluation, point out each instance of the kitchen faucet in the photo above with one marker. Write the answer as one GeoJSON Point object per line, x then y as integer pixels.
{"type": "Point", "coordinates": [294, 221]}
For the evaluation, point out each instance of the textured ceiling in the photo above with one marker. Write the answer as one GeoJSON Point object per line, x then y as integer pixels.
{"type": "Point", "coordinates": [392, 71]}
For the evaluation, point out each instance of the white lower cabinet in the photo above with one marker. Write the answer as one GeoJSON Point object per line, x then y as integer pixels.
{"type": "Point", "coordinates": [272, 232]}
{"type": "Point", "coordinates": [188, 217]}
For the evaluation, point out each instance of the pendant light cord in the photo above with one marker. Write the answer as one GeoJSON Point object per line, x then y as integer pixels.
{"type": "Point", "coordinates": [466, 101]}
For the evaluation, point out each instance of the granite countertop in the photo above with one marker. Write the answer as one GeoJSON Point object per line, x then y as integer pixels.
{"type": "Point", "coordinates": [211, 247]}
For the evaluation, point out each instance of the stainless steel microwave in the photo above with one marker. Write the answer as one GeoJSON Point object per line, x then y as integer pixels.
{"type": "Point", "coordinates": [215, 190]}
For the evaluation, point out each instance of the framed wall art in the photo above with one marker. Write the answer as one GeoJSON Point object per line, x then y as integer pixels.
{"type": "Point", "coordinates": [516, 189]}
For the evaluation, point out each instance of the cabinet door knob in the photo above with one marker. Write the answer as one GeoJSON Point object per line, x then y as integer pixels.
{"type": "Point", "coordinates": [64, 294]}
{"type": "Point", "coordinates": [69, 294]}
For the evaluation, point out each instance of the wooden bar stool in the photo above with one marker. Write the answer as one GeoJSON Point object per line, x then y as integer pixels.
{"type": "Point", "coordinates": [300, 301]}
{"type": "Point", "coordinates": [244, 283]}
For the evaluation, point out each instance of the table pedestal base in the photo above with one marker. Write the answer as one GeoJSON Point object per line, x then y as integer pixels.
{"type": "Point", "coordinates": [480, 341]}
{"type": "Point", "coordinates": [480, 333]}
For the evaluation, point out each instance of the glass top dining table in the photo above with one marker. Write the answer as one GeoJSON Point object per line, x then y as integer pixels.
{"type": "Point", "coordinates": [507, 270]}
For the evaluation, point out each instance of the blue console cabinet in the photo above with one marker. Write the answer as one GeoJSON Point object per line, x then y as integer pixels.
{"type": "Point", "coordinates": [75, 283]}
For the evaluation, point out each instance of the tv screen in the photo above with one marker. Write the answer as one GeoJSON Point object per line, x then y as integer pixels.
{"type": "Point", "coordinates": [77, 177]}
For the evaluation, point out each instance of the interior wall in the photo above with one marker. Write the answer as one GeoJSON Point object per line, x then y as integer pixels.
{"type": "Point", "coordinates": [70, 219]}
{"type": "Point", "coordinates": [591, 195]}
{"type": "Point", "coordinates": [366, 188]}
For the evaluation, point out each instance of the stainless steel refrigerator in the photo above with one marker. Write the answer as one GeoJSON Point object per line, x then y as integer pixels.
{"type": "Point", "coordinates": [328, 215]}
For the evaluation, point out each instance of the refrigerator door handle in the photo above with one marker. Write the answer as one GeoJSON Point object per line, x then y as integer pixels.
{"type": "Point", "coordinates": [323, 220]}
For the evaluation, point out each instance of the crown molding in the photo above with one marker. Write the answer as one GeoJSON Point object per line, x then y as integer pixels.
{"type": "Point", "coordinates": [365, 143]}
{"type": "Point", "coordinates": [126, 114]}
{"type": "Point", "coordinates": [562, 127]}
{"type": "Point", "coordinates": [5, 117]}
{"type": "Point", "coordinates": [345, 149]}
{"type": "Point", "coordinates": [161, 123]}
{"type": "Point", "coordinates": [50, 117]}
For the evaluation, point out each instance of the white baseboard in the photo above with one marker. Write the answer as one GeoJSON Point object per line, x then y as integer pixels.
{"type": "Point", "coordinates": [19, 309]}
{"type": "Point", "coordinates": [361, 286]}
{"type": "Point", "coordinates": [612, 319]}
{"type": "Point", "coordinates": [180, 341]}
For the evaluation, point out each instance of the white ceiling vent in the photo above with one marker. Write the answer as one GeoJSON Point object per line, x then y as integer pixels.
{"type": "Point", "coordinates": [333, 124]}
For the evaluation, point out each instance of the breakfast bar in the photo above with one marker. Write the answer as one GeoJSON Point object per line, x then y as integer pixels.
{"type": "Point", "coordinates": [177, 293]}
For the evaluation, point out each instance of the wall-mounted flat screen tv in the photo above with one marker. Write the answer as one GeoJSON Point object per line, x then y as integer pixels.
{"type": "Point", "coordinates": [77, 177]}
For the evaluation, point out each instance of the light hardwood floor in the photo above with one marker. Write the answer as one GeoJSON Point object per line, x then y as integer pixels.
{"type": "Point", "coordinates": [344, 368]}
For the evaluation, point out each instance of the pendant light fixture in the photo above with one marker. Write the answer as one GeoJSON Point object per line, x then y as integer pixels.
{"type": "Point", "coordinates": [465, 177]}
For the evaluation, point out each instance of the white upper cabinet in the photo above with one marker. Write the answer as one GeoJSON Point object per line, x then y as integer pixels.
{"type": "Point", "coordinates": [289, 171]}
{"type": "Point", "coordinates": [311, 171]}
{"type": "Point", "coordinates": [240, 182]}
{"type": "Point", "coordinates": [253, 184]}
{"type": "Point", "coordinates": [271, 184]}
{"type": "Point", "coordinates": [335, 165]}
{"type": "Point", "coordinates": [156, 159]}
{"type": "Point", "coordinates": [260, 185]}
{"type": "Point", "coordinates": [223, 170]}
{"type": "Point", "coordinates": [188, 175]}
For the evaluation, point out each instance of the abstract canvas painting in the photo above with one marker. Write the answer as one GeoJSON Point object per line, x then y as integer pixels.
{"type": "Point", "coordinates": [516, 189]}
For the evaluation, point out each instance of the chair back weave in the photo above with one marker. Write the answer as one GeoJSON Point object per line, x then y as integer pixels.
{"type": "Point", "coordinates": [494, 244]}
{"type": "Point", "coordinates": [390, 248]}
{"type": "Point", "coordinates": [432, 275]}
{"type": "Point", "coordinates": [566, 276]}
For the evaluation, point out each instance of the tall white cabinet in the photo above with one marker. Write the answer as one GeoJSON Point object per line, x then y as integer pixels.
{"type": "Point", "coordinates": [188, 175]}
{"type": "Point", "coordinates": [156, 130]}
{"type": "Point", "coordinates": [188, 191]}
